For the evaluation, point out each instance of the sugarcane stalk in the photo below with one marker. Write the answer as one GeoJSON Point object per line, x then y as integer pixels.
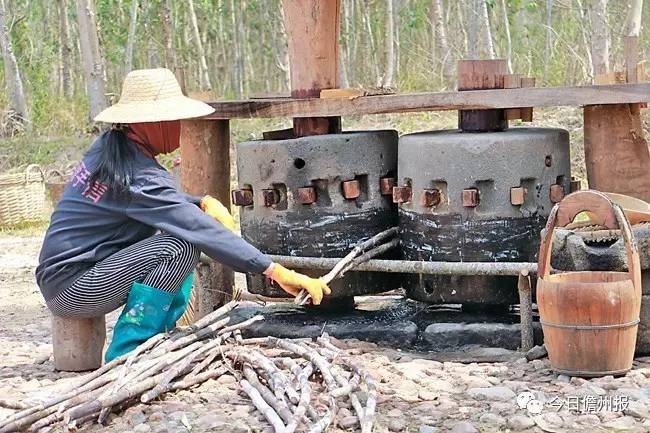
{"type": "Point", "coordinates": [142, 348]}
{"type": "Point", "coordinates": [277, 380]}
{"type": "Point", "coordinates": [321, 425]}
{"type": "Point", "coordinates": [305, 396]}
{"type": "Point", "coordinates": [269, 413]}
{"type": "Point", "coordinates": [371, 400]}
{"type": "Point", "coordinates": [319, 362]}
{"type": "Point", "coordinates": [209, 359]}
{"type": "Point", "coordinates": [175, 371]}
{"type": "Point", "coordinates": [212, 317]}
{"type": "Point", "coordinates": [357, 250]}
{"type": "Point", "coordinates": [346, 263]}
{"type": "Point", "coordinates": [186, 339]}
{"type": "Point", "coordinates": [369, 255]}
{"type": "Point", "coordinates": [13, 405]}
{"type": "Point", "coordinates": [280, 407]}
{"type": "Point", "coordinates": [241, 325]}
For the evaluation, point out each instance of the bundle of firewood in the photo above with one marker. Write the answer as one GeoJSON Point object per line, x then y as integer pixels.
{"type": "Point", "coordinates": [286, 380]}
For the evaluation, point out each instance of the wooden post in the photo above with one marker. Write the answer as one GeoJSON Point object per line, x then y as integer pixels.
{"type": "Point", "coordinates": [476, 75]}
{"type": "Point", "coordinates": [78, 344]}
{"type": "Point", "coordinates": [205, 169]}
{"type": "Point", "coordinates": [616, 153]}
{"type": "Point", "coordinates": [312, 28]}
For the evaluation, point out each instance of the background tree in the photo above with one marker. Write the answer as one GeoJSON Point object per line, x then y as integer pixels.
{"type": "Point", "coordinates": [93, 63]}
{"type": "Point", "coordinates": [133, 25]}
{"type": "Point", "coordinates": [599, 36]}
{"type": "Point", "coordinates": [241, 45]}
{"type": "Point", "coordinates": [66, 49]}
{"type": "Point", "coordinates": [14, 82]}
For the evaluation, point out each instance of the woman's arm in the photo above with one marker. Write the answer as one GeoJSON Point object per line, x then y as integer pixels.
{"type": "Point", "coordinates": [160, 205]}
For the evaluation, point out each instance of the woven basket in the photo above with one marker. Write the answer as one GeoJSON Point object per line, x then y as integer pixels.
{"type": "Point", "coordinates": [22, 197]}
{"type": "Point", "coordinates": [55, 182]}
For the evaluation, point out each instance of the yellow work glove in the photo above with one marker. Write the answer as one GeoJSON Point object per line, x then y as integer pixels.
{"type": "Point", "coordinates": [292, 282]}
{"type": "Point", "coordinates": [216, 210]}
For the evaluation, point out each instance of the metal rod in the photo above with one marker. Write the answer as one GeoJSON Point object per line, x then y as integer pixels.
{"type": "Point", "coordinates": [413, 267]}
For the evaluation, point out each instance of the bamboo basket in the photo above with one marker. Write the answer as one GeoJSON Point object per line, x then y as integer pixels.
{"type": "Point", "coordinates": [22, 197]}
{"type": "Point", "coordinates": [590, 319]}
{"type": "Point", "coordinates": [55, 182]}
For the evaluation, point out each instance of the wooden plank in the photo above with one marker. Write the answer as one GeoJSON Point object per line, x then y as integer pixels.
{"type": "Point", "coordinates": [418, 102]}
{"type": "Point", "coordinates": [342, 93]}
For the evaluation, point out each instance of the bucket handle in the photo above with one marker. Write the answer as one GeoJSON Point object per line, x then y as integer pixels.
{"type": "Point", "coordinates": [602, 212]}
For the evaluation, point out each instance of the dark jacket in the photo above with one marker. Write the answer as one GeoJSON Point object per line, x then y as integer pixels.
{"type": "Point", "coordinates": [89, 224]}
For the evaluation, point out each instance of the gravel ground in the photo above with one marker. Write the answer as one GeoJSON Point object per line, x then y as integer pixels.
{"type": "Point", "coordinates": [416, 395]}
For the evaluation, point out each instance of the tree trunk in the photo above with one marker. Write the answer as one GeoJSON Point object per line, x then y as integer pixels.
{"type": "Point", "coordinates": [204, 76]}
{"type": "Point", "coordinates": [485, 18]}
{"type": "Point", "coordinates": [281, 52]}
{"type": "Point", "coordinates": [633, 26]}
{"type": "Point", "coordinates": [582, 17]}
{"type": "Point", "coordinates": [128, 61]}
{"type": "Point", "coordinates": [66, 51]}
{"type": "Point", "coordinates": [371, 41]}
{"type": "Point", "coordinates": [473, 8]}
{"type": "Point", "coordinates": [462, 26]}
{"type": "Point", "coordinates": [441, 42]}
{"type": "Point", "coordinates": [547, 41]}
{"type": "Point", "coordinates": [168, 32]}
{"type": "Point", "coordinates": [14, 82]}
{"type": "Point", "coordinates": [506, 26]}
{"type": "Point", "coordinates": [389, 73]}
{"type": "Point", "coordinates": [91, 56]}
{"type": "Point", "coordinates": [353, 42]}
{"type": "Point", "coordinates": [239, 60]}
{"type": "Point", "coordinates": [599, 36]}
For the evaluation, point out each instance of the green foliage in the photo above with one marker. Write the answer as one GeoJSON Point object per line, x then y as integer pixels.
{"type": "Point", "coordinates": [35, 33]}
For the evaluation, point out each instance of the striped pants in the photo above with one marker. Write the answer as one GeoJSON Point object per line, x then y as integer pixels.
{"type": "Point", "coordinates": [161, 261]}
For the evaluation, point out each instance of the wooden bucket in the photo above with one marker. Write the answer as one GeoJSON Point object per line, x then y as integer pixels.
{"type": "Point", "coordinates": [590, 319]}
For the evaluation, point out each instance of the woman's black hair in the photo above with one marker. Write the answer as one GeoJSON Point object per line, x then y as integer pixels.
{"type": "Point", "coordinates": [115, 162]}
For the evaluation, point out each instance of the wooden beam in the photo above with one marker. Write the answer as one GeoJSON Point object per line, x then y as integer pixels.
{"type": "Point", "coordinates": [205, 169]}
{"type": "Point", "coordinates": [418, 102]}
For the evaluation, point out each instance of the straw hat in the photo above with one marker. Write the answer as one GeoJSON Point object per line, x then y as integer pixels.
{"type": "Point", "coordinates": [152, 95]}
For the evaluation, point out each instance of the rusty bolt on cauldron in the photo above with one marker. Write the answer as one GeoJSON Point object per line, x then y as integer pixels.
{"type": "Point", "coordinates": [386, 185]}
{"type": "Point", "coordinates": [556, 193]}
{"type": "Point", "coordinates": [402, 194]}
{"type": "Point", "coordinates": [430, 197]}
{"type": "Point", "coordinates": [242, 197]}
{"type": "Point", "coordinates": [351, 189]}
{"type": "Point", "coordinates": [518, 195]}
{"type": "Point", "coordinates": [470, 197]}
{"type": "Point", "coordinates": [271, 197]}
{"type": "Point", "coordinates": [307, 195]}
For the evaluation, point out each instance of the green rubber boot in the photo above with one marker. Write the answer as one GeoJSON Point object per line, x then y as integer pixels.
{"type": "Point", "coordinates": [143, 317]}
{"type": "Point", "coordinates": [179, 304]}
